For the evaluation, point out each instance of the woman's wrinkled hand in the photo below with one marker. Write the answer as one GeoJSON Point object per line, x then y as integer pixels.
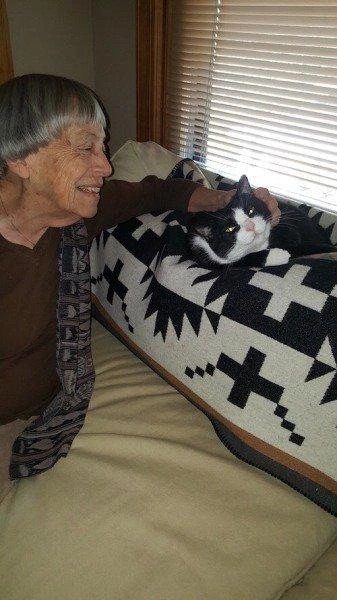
{"type": "Point", "coordinates": [204, 199]}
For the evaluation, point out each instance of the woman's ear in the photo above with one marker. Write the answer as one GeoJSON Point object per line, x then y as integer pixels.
{"type": "Point", "coordinates": [19, 167]}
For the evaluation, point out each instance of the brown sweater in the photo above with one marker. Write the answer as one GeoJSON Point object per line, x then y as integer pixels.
{"type": "Point", "coordinates": [29, 287]}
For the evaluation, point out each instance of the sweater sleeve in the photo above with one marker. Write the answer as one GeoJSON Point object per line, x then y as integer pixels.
{"type": "Point", "coordinates": [121, 200]}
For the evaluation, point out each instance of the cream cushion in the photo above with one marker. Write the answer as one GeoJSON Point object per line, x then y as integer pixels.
{"type": "Point", "coordinates": [320, 583]}
{"type": "Point", "coordinates": [150, 505]}
{"type": "Point", "coordinates": [136, 160]}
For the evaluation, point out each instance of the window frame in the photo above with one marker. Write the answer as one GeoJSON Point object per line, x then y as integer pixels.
{"type": "Point", "coordinates": [6, 61]}
{"type": "Point", "coordinates": [152, 43]}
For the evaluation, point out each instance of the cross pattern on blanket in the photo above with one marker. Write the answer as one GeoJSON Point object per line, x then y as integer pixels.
{"type": "Point", "coordinates": [149, 221]}
{"type": "Point", "coordinates": [115, 286]}
{"type": "Point", "coordinates": [247, 380]}
{"type": "Point", "coordinates": [290, 289]}
{"type": "Point", "coordinates": [302, 328]}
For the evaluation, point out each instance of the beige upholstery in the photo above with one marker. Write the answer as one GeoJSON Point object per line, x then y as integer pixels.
{"type": "Point", "coordinates": [8, 433]}
{"type": "Point", "coordinates": [150, 505]}
{"type": "Point", "coordinates": [320, 583]}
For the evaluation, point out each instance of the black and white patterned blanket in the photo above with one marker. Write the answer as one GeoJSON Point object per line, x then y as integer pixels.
{"type": "Point", "coordinates": [256, 350]}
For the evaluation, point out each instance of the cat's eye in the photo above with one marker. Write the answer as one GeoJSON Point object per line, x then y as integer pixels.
{"type": "Point", "coordinates": [230, 229]}
{"type": "Point", "coordinates": [251, 211]}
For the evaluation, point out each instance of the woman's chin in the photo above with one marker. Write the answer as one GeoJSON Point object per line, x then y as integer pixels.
{"type": "Point", "coordinates": [87, 204]}
{"type": "Point", "coordinates": [81, 213]}
{"type": "Point", "coordinates": [89, 213]}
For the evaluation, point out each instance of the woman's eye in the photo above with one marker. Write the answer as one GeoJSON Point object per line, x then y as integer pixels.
{"type": "Point", "coordinates": [251, 211]}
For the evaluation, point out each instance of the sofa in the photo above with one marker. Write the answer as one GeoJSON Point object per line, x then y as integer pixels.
{"type": "Point", "coordinates": [149, 504]}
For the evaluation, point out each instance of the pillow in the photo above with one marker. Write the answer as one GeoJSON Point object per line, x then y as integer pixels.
{"type": "Point", "coordinates": [135, 160]}
{"type": "Point", "coordinates": [255, 350]}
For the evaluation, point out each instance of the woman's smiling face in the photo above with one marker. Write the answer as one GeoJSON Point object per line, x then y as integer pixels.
{"type": "Point", "coordinates": [65, 177]}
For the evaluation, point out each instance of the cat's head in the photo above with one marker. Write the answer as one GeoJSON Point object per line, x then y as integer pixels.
{"type": "Point", "coordinates": [226, 236]}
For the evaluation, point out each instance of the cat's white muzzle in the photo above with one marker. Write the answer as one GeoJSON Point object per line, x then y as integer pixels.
{"type": "Point", "coordinates": [251, 239]}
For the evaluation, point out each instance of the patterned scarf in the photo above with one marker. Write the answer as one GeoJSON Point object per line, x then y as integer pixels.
{"type": "Point", "coordinates": [50, 436]}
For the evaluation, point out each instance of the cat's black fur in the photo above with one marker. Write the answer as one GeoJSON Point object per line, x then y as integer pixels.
{"type": "Point", "coordinates": [296, 233]}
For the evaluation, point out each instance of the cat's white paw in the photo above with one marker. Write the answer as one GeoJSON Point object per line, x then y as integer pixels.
{"type": "Point", "coordinates": [277, 256]}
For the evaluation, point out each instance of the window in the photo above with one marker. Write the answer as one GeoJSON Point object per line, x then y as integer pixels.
{"type": "Point", "coordinates": [251, 87]}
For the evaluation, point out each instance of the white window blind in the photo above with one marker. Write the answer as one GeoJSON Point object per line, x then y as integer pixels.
{"type": "Point", "coordinates": [252, 88]}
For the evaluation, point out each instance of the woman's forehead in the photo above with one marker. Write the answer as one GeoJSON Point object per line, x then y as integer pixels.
{"type": "Point", "coordinates": [83, 130]}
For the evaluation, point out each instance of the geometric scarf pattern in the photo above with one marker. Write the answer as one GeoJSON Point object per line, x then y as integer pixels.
{"type": "Point", "coordinates": [50, 436]}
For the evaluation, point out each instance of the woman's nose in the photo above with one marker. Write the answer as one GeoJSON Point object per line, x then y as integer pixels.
{"type": "Point", "coordinates": [249, 225]}
{"type": "Point", "coordinates": [103, 166]}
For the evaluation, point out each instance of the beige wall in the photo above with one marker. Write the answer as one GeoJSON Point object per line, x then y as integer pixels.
{"type": "Point", "coordinates": [52, 36]}
{"type": "Point", "coordinates": [92, 41]}
{"type": "Point", "coordinates": [114, 27]}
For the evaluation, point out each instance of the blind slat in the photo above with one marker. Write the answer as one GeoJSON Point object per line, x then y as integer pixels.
{"type": "Point", "coordinates": [322, 107]}
{"type": "Point", "coordinates": [258, 99]}
{"type": "Point", "coordinates": [277, 117]}
{"type": "Point", "coordinates": [306, 91]}
{"type": "Point", "coordinates": [316, 151]}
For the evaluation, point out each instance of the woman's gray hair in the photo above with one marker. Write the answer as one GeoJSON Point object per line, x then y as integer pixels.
{"type": "Point", "coordinates": [34, 109]}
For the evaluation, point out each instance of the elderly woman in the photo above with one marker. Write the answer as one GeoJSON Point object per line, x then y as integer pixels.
{"type": "Point", "coordinates": [53, 202]}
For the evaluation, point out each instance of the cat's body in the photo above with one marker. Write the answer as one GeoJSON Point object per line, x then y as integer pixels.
{"type": "Point", "coordinates": [241, 233]}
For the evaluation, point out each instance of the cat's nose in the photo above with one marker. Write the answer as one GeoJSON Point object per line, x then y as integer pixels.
{"type": "Point", "coordinates": [249, 225]}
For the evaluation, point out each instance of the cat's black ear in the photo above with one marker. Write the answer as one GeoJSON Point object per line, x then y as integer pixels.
{"type": "Point", "coordinates": [243, 187]}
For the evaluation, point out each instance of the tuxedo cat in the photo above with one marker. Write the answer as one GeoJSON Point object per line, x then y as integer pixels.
{"type": "Point", "coordinates": [241, 233]}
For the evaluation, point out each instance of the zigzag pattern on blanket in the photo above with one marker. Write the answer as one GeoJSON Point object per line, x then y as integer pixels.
{"type": "Point", "coordinates": [255, 350]}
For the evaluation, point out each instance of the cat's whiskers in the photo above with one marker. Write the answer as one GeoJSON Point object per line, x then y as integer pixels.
{"type": "Point", "coordinates": [290, 215]}
{"type": "Point", "coordinates": [287, 218]}
{"type": "Point", "coordinates": [287, 222]}
{"type": "Point", "coordinates": [292, 224]}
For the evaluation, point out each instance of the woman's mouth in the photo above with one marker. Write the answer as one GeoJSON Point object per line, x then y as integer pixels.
{"type": "Point", "coordinates": [92, 191]}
